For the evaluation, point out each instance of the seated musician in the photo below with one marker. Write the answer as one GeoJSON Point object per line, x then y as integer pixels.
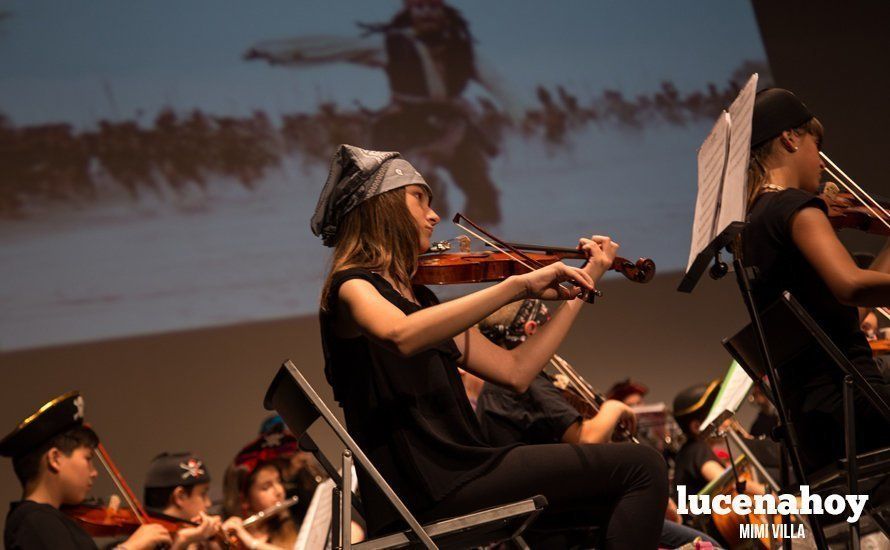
{"type": "Point", "coordinates": [52, 456]}
{"type": "Point", "coordinates": [255, 482]}
{"type": "Point", "coordinates": [791, 242]}
{"type": "Point", "coordinates": [696, 464]}
{"type": "Point", "coordinates": [542, 414]}
{"type": "Point", "coordinates": [301, 472]}
{"type": "Point", "coordinates": [178, 486]}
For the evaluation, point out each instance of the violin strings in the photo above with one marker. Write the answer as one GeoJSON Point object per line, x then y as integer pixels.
{"type": "Point", "coordinates": [849, 184]}
{"type": "Point", "coordinates": [496, 247]}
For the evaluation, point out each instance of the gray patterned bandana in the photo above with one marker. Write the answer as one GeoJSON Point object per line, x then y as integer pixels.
{"type": "Point", "coordinates": [356, 175]}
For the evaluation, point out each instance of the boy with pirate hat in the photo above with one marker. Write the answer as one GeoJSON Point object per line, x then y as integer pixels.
{"type": "Point", "coordinates": [178, 485]}
{"type": "Point", "coordinates": [52, 453]}
{"type": "Point", "coordinates": [696, 464]}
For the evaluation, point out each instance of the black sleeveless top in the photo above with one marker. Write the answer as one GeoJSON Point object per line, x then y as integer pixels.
{"type": "Point", "coordinates": [410, 415]}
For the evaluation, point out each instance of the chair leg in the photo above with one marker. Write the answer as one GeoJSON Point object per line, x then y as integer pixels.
{"type": "Point", "coordinates": [346, 502]}
{"type": "Point", "coordinates": [850, 443]}
{"type": "Point", "coordinates": [881, 521]}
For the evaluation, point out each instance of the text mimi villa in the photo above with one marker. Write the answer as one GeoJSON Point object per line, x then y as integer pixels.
{"type": "Point", "coordinates": [769, 504]}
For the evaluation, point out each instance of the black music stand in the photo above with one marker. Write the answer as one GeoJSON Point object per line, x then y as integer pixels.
{"type": "Point", "coordinates": [792, 332]}
{"type": "Point", "coordinates": [711, 253]}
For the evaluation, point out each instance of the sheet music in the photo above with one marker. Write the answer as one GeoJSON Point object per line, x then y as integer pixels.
{"type": "Point", "coordinates": [711, 165]}
{"type": "Point", "coordinates": [316, 525]}
{"type": "Point", "coordinates": [733, 390]}
{"type": "Point", "coordinates": [735, 182]}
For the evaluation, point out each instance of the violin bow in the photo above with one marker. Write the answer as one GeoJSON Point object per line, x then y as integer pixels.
{"type": "Point", "coordinates": [519, 256]}
{"type": "Point", "coordinates": [121, 484]}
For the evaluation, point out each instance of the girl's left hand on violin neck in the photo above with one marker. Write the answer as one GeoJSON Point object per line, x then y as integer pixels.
{"type": "Point", "coordinates": [601, 252]}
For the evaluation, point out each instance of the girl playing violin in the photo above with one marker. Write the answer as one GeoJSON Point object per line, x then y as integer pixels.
{"type": "Point", "coordinates": [790, 240]}
{"type": "Point", "coordinates": [392, 353]}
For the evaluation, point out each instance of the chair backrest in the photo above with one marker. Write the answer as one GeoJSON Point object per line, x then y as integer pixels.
{"type": "Point", "coordinates": [291, 395]}
{"type": "Point", "coordinates": [790, 331]}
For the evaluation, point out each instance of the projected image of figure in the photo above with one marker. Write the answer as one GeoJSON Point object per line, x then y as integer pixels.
{"type": "Point", "coordinates": [429, 59]}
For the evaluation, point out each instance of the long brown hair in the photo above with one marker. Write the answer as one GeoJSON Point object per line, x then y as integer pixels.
{"type": "Point", "coordinates": [379, 234]}
{"type": "Point", "coordinates": [759, 156]}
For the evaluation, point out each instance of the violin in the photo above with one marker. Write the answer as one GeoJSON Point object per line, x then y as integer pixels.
{"type": "Point", "coordinates": [443, 268]}
{"type": "Point", "coordinates": [582, 396]}
{"type": "Point", "coordinates": [845, 212]}
{"type": "Point", "coordinates": [586, 409]}
{"type": "Point", "coordinates": [854, 208]}
{"type": "Point", "coordinates": [485, 266]}
{"type": "Point", "coordinates": [109, 521]}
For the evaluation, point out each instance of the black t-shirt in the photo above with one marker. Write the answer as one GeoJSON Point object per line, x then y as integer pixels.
{"type": "Point", "coordinates": [540, 415]}
{"type": "Point", "coordinates": [410, 415]}
{"type": "Point", "coordinates": [31, 525]}
{"type": "Point", "coordinates": [687, 466]}
{"type": "Point", "coordinates": [764, 424]}
{"type": "Point", "coordinates": [811, 382]}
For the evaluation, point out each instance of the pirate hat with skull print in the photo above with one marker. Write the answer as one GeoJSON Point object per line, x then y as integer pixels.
{"type": "Point", "coordinates": [174, 470]}
{"type": "Point", "coordinates": [53, 418]}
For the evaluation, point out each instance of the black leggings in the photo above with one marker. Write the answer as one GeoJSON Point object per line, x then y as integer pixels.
{"type": "Point", "coordinates": [622, 488]}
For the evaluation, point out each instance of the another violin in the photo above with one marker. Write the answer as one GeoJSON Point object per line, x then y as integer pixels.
{"type": "Point", "coordinates": [101, 521]}
{"type": "Point", "coordinates": [108, 521]}
{"type": "Point", "coordinates": [855, 208]}
{"type": "Point", "coordinates": [582, 396]}
{"type": "Point", "coordinates": [846, 212]}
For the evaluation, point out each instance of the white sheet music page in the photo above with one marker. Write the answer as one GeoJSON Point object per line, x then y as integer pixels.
{"type": "Point", "coordinates": [711, 164]}
{"type": "Point", "coordinates": [735, 182]}
{"type": "Point", "coordinates": [733, 390]}
{"type": "Point", "coordinates": [316, 524]}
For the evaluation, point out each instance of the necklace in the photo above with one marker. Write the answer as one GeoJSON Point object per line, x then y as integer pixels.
{"type": "Point", "coordinates": [771, 187]}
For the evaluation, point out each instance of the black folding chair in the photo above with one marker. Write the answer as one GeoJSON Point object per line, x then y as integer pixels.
{"type": "Point", "coordinates": [790, 332]}
{"type": "Point", "coordinates": [300, 406]}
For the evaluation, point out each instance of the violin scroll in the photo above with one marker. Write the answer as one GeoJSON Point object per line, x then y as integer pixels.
{"type": "Point", "coordinates": [641, 271]}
